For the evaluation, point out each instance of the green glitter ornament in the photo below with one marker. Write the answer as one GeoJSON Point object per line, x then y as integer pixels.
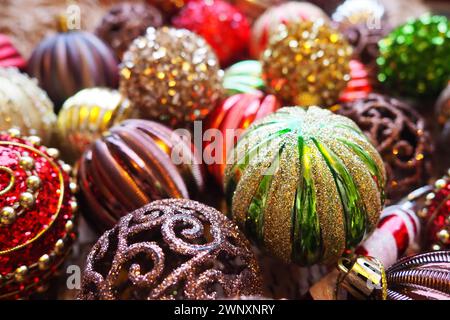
{"type": "Point", "coordinates": [415, 58]}
{"type": "Point", "coordinates": [244, 77]}
{"type": "Point", "coordinates": [305, 184]}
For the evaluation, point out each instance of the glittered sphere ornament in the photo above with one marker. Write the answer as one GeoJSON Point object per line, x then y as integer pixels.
{"type": "Point", "coordinates": [230, 118]}
{"type": "Point", "coordinates": [305, 184]}
{"type": "Point", "coordinates": [134, 163]}
{"type": "Point", "coordinates": [37, 214]}
{"type": "Point", "coordinates": [171, 249]}
{"type": "Point", "coordinates": [67, 62]}
{"type": "Point", "coordinates": [9, 56]}
{"type": "Point", "coordinates": [244, 77]}
{"type": "Point", "coordinates": [24, 105]}
{"type": "Point", "coordinates": [171, 75]}
{"type": "Point", "coordinates": [86, 115]}
{"type": "Point", "coordinates": [399, 134]}
{"type": "Point", "coordinates": [286, 13]}
{"type": "Point", "coordinates": [401, 63]}
{"type": "Point", "coordinates": [359, 86]}
{"type": "Point", "coordinates": [126, 21]}
{"type": "Point", "coordinates": [307, 63]}
{"type": "Point", "coordinates": [224, 27]}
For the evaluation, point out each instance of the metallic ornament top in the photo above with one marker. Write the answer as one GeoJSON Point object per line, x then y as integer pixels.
{"type": "Point", "coordinates": [401, 63]}
{"type": "Point", "coordinates": [171, 249]}
{"type": "Point", "coordinates": [305, 184]}
{"type": "Point", "coordinates": [307, 63]}
{"type": "Point", "coordinates": [244, 77]}
{"type": "Point", "coordinates": [86, 115]}
{"type": "Point", "coordinates": [171, 75]}
{"type": "Point", "coordinates": [132, 164]}
{"type": "Point", "coordinates": [400, 136]}
{"type": "Point", "coordinates": [24, 105]}
{"type": "Point", "coordinates": [9, 56]}
{"type": "Point", "coordinates": [37, 214]}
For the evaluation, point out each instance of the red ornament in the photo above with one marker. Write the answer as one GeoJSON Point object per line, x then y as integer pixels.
{"type": "Point", "coordinates": [37, 212]}
{"type": "Point", "coordinates": [9, 56]}
{"type": "Point", "coordinates": [436, 215]}
{"type": "Point", "coordinates": [359, 85]}
{"type": "Point", "coordinates": [231, 117]}
{"type": "Point", "coordinates": [225, 28]}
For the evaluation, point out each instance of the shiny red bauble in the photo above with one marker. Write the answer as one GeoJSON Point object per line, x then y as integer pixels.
{"type": "Point", "coordinates": [223, 26]}
{"type": "Point", "coordinates": [9, 56]}
{"type": "Point", "coordinates": [37, 214]}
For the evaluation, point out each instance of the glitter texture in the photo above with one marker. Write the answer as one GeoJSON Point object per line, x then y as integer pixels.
{"type": "Point", "coordinates": [307, 63]}
{"type": "Point", "coordinates": [305, 184]}
{"type": "Point", "coordinates": [171, 75]}
{"type": "Point", "coordinates": [244, 77]}
{"type": "Point", "coordinates": [171, 249]}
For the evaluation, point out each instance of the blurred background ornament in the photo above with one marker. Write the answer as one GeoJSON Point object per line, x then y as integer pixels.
{"type": "Point", "coordinates": [86, 115]}
{"type": "Point", "coordinates": [254, 8]}
{"type": "Point", "coordinates": [24, 105]}
{"type": "Point", "coordinates": [359, 86]}
{"type": "Point", "coordinates": [230, 118]}
{"type": "Point", "coordinates": [305, 184]}
{"type": "Point", "coordinates": [126, 21]}
{"type": "Point", "coordinates": [172, 76]}
{"type": "Point", "coordinates": [443, 106]}
{"type": "Point", "coordinates": [329, 6]}
{"type": "Point", "coordinates": [168, 7]}
{"type": "Point", "coordinates": [244, 77]}
{"type": "Point", "coordinates": [37, 214]}
{"type": "Point", "coordinates": [71, 60]}
{"type": "Point", "coordinates": [399, 134]}
{"type": "Point", "coordinates": [307, 63]}
{"type": "Point", "coordinates": [195, 253]}
{"type": "Point", "coordinates": [286, 13]}
{"type": "Point", "coordinates": [9, 56]}
{"type": "Point", "coordinates": [133, 163]}
{"type": "Point", "coordinates": [402, 65]}
{"type": "Point", "coordinates": [223, 26]}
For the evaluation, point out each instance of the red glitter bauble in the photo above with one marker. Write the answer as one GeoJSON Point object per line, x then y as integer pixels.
{"type": "Point", "coordinates": [9, 56]}
{"type": "Point", "coordinates": [436, 215]}
{"type": "Point", "coordinates": [359, 85]}
{"type": "Point", "coordinates": [230, 118]}
{"type": "Point", "coordinates": [37, 212]}
{"type": "Point", "coordinates": [225, 28]}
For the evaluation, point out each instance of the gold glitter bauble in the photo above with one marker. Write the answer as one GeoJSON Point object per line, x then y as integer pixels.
{"type": "Point", "coordinates": [307, 63]}
{"type": "Point", "coordinates": [305, 184]}
{"type": "Point", "coordinates": [171, 75]}
{"type": "Point", "coordinates": [24, 105]}
{"type": "Point", "coordinates": [86, 115]}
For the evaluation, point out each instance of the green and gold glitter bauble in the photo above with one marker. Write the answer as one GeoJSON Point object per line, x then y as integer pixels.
{"type": "Point", "coordinates": [243, 77]}
{"type": "Point", "coordinates": [305, 184]}
{"type": "Point", "coordinates": [415, 58]}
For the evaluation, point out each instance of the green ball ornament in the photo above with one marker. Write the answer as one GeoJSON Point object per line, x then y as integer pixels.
{"type": "Point", "coordinates": [305, 184]}
{"type": "Point", "coordinates": [244, 77]}
{"type": "Point", "coordinates": [415, 57]}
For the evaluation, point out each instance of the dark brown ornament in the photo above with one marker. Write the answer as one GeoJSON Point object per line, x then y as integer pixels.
{"type": "Point", "coordinates": [67, 62]}
{"type": "Point", "coordinates": [398, 132]}
{"type": "Point", "coordinates": [126, 21]}
{"type": "Point", "coordinates": [136, 162]}
{"type": "Point", "coordinates": [171, 249]}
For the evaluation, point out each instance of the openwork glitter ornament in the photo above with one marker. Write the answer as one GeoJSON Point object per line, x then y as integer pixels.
{"type": "Point", "coordinates": [37, 214]}
{"type": "Point", "coordinates": [224, 27]}
{"type": "Point", "coordinates": [268, 22]}
{"type": "Point", "coordinates": [134, 163]}
{"type": "Point", "coordinates": [305, 184]}
{"type": "Point", "coordinates": [9, 56]}
{"type": "Point", "coordinates": [171, 249]}
{"type": "Point", "coordinates": [436, 216]}
{"type": "Point", "coordinates": [402, 64]}
{"type": "Point", "coordinates": [86, 115]}
{"type": "Point", "coordinates": [307, 63]}
{"type": "Point", "coordinates": [244, 77]}
{"type": "Point", "coordinates": [126, 21]}
{"type": "Point", "coordinates": [399, 134]}
{"type": "Point", "coordinates": [172, 76]}
{"type": "Point", "coordinates": [24, 105]}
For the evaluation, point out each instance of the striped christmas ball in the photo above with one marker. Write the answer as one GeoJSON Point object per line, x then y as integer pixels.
{"type": "Point", "coordinates": [9, 56]}
{"type": "Point", "coordinates": [67, 62]}
{"type": "Point", "coordinates": [305, 184]}
{"type": "Point", "coordinates": [134, 163]}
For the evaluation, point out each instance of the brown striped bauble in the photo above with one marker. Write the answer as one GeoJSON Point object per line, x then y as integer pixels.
{"type": "Point", "coordinates": [67, 62]}
{"type": "Point", "coordinates": [134, 163]}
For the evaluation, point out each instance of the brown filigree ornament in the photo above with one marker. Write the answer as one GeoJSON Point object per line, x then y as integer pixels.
{"type": "Point", "coordinates": [398, 132]}
{"type": "Point", "coordinates": [171, 249]}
